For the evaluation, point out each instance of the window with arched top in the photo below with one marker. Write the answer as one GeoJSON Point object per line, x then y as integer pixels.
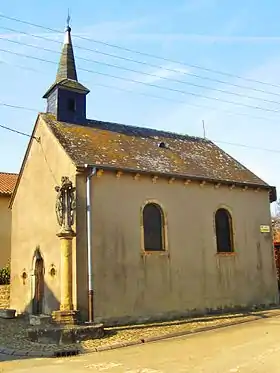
{"type": "Point", "coordinates": [224, 236]}
{"type": "Point", "coordinates": [153, 227]}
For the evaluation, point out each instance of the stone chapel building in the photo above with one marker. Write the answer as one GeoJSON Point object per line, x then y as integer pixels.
{"type": "Point", "coordinates": [166, 224]}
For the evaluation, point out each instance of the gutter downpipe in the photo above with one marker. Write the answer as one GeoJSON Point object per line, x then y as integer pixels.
{"type": "Point", "coordinates": [89, 245]}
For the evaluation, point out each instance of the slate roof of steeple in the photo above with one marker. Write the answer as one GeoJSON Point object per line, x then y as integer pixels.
{"type": "Point", "coordinates": [67, 68]}
{"type": "Point", "coordinates": [66, 76]}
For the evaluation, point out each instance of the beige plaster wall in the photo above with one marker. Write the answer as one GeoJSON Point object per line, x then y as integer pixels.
{"type": "Point", "coordinates": [5, 230]}
{"type": "Point", "coordinates": [81, 243]}
{"type": "Point", "coordinates": [128, 283]}
{"type": "Point", "coordinates": [34, 221]}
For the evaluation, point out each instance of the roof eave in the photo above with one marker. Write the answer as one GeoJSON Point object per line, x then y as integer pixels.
{"type": "Point", "coordinates": [272, 189]}
{"type": "Point", "coordinates": [6, 194]}
{"type": "Point", "coordinates": [57, 84]}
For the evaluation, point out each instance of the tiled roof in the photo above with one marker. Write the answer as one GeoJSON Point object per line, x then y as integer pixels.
{"type": "Point", "coordinates": [135, 148]}
{"type": "Point", "coordinates": [7, 183]}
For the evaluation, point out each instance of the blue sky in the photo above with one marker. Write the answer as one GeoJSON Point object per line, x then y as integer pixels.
{"type": "Point", "coordinates": [239, 37]}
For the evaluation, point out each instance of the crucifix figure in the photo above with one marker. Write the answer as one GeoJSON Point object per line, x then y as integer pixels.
{"type": "Point", "coordinates": [65, 204]}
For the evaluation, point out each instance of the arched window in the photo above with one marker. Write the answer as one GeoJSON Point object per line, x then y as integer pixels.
{"type": "Point", "coordinates": [223, 225]}
{"type": "Point", "coordinates": [153, 224]}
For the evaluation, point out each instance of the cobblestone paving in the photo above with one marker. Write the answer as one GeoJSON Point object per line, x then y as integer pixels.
{"type": "Point", "coordinates": [13, 336]}
{"type": "Point", "coordinates": [13, 332]}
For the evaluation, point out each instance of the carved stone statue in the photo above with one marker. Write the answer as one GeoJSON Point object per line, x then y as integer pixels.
{"type": "Point", "coordinates": [58, 206]}
{"type": "Point", "coordinates": [65, 204]}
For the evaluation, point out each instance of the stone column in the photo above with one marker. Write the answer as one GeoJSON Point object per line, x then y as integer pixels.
{"type": "Point", "coordinates": [66, 301]}
{"type": "Point", "coordinates": [65, 206]}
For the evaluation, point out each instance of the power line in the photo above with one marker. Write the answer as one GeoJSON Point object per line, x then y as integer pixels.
{"type": "Point", "coordinates": [27, 56]}
{"type": "Point", "coordinates": [156, 97]}
{"type": "Point", "coordinates": [19, 132]}
{"type": "Point", "coordinates": [17, 107]}
{"type": "Point", "coordinates": [186, 103]}
{"type": "Point", "coordinates": [127, 59]}
{"type": "Point", "coordinates": [247, 146]}
{"type": "Point", "coordinates": [144, 53]}
{"type": "Point", "coordinates": [21, 67]}
{"type": "Point", "coordinates": [147, 74]}
{"type": "Point", "coordinates": [150, 84]}
{"type": "Point", "coordinates": [215, 141]}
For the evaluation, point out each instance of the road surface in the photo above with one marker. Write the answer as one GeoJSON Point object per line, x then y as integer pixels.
{"type": "Point", "coordinates": [252, 348]}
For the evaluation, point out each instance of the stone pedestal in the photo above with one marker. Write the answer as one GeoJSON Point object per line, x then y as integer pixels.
{"type": "Point", "coordinates": [66, 313]}
{"type": "Point", "coordinates": [69, 317]}
{"type": "Point", "coordinates": [42, 320]}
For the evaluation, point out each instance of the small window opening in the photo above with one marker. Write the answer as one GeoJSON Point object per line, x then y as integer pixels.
{"type": "Point", "coordinates": [162, 145]}
{"type": "Point", "coordinates": [71, 105]}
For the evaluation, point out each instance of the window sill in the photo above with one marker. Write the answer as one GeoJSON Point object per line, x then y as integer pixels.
{"type": "Point", "coordinates": [226, 254]}
{"type": "Point", "coordinates": [155, 253]}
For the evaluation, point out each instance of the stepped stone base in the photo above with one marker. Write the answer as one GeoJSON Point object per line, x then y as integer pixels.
{"type": "Point", "coordinates": [59, 334]}
{"type": "Point", "coordinates": [65, 317]}
{"type": "Point", "coordinates": [39, 319]}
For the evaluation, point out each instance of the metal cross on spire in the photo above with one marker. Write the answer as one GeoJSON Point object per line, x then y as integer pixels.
{"type": "Point", "coordinates": [68, 19]}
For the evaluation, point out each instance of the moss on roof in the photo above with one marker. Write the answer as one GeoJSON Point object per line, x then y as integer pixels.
{"type": "Point", "coordinates": [136, 148]}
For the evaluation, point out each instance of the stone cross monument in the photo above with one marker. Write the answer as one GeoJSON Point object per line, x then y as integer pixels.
{"type": "Point", "coordinates": [65, 208]}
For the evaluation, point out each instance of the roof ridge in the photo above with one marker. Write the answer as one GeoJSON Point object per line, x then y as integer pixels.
{"type": "Point", "coordinates": [137, 127]}
{"type": "Point", "coordinates": [132, 126]}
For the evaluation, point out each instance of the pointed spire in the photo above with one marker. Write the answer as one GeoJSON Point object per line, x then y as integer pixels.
{"type": "Point", "coordinates": [67, 67]}
{"type": "Point", "coordinates": [66, 77]}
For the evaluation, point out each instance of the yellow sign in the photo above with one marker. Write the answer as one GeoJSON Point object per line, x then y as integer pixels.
{"type": "Point", "coordinates": [264, 228]}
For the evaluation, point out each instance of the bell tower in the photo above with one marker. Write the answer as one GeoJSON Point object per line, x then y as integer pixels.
{"type": "Point", "coordinates": [66, 98]}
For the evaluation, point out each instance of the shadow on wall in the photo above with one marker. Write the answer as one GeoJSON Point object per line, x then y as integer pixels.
{"type": "Point", "coordinates": [43, 302]}
{"type": "Point", "coordinates": [42, 298]}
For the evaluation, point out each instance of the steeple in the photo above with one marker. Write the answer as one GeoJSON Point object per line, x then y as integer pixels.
{"type": "Point", "coordinates": [66, 98]}
{"type": "Point", "coordinates": [67, 68]}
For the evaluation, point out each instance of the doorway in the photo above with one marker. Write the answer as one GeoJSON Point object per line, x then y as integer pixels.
{"type": "Point", "coordinates": [39, 287]}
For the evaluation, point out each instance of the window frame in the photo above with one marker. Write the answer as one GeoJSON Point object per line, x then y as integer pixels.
{"type": "Point", "coordinates": [165, 249]}
{"type": "Point", "coordinates": [231, 230]}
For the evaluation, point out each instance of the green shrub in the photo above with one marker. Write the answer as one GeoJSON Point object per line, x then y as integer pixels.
{"type": "Point", "coordinates": [5, 275]}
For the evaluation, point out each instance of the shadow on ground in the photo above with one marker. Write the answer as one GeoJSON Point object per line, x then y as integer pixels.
{"type": "Point", "coordinates": [109, 332]}
{"type": "Point", "coordinates": [226, 316]}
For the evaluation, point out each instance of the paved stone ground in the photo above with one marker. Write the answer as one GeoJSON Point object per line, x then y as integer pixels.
{"type": "Point", "coordinates": [13, 333]}
{"type": "Point", "coordinates": [246, 348]}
